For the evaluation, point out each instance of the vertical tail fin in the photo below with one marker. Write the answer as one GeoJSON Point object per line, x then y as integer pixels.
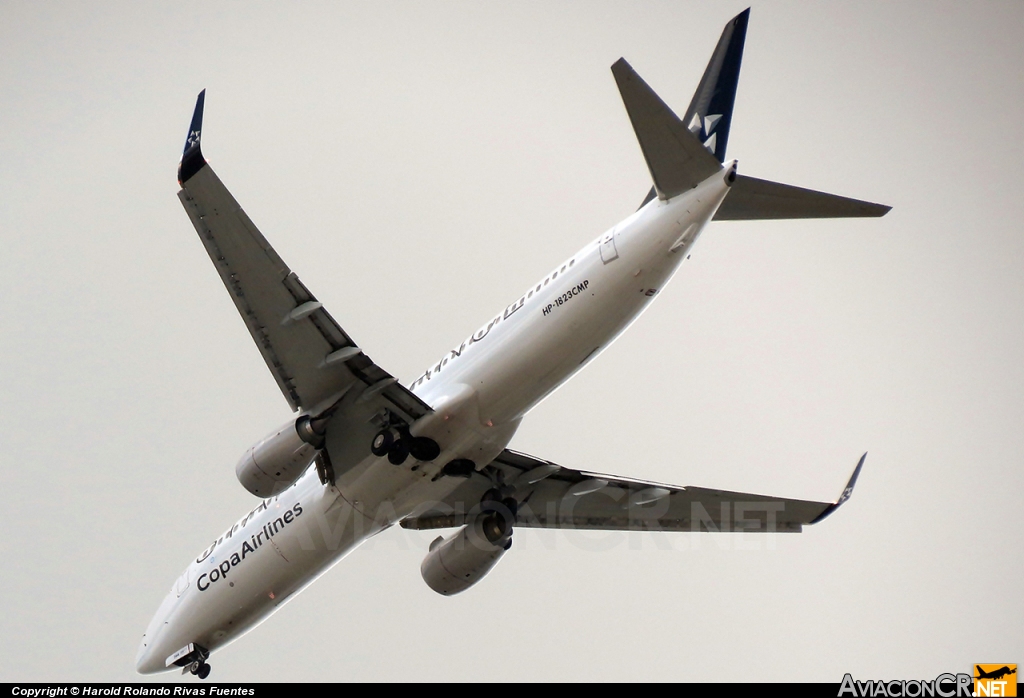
{"type": "Point", "coordinates": [710, 112]}
{"type": "Point", "coordinates": [677, 161]}
{"type": "Point", "coordinates": [709, 115]}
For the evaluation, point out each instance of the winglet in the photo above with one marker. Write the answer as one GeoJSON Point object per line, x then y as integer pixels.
{"type": "Point", "coordinates": [192, 159]}
{"type": "Point", "coordinates": [846, 493]}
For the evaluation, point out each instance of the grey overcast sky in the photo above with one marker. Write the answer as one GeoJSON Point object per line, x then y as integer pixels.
{"type": "Point", "coordinates": [419, 165]}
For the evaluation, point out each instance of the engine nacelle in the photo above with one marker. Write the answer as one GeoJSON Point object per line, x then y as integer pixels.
{"type": "Point", "coordinates": [457, 563]}
{"type": "Point", "coordinates": [278, 460]}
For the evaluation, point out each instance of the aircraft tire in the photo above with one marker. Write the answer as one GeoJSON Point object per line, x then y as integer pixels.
{"type": "Point", "coordinates": [423, 448]}
{"type": "Point", "coordinates": [382, 442]}
{"type": "Point", "coordinates": [512, 505]}
{"type": "Point", "coordinates": [399, 452]}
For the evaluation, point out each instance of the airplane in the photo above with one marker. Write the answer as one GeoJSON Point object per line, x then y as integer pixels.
{"type": "Point", "coordinates": [995, 674]}
{"type": "Point", "coordinates": [364, 452]}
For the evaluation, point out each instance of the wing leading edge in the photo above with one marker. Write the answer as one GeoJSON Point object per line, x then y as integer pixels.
{"type": "Point", "coordinates": [551, 496]}
{"type": "Point", "coordinates": [311, 357]}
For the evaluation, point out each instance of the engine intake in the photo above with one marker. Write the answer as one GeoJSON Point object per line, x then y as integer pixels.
{"type": "Point", "coordinates": [457, 563]}
{"type": "Point", "coordinates": [278, 460]}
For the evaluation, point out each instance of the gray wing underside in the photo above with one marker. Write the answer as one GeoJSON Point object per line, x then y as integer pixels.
{"type": "Point", "coordinates": [750, 198]}
{"type": "Point", "coordinates": [311, 357]}
{"type": "Point", "coordinates": [567, 498]}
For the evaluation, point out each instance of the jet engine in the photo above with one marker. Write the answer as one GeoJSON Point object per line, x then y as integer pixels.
{"type": "Point", "coordinates": [278, 460]}
{"type": "Point", "coordinates": [457, 563]}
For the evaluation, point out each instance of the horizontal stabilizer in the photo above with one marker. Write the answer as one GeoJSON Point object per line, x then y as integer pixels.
{"type": "Point", "coordinates": [758, 199]}
{"type": "Point", "coordinates": [677, 160]}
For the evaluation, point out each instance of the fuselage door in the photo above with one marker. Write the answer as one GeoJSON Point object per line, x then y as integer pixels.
{"type": "Point", "coordinates": [608, 251]}
{"type": "Point", "coordinates": [181, 586]}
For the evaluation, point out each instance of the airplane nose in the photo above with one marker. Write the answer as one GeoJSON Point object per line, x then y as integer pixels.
{"type": "Point", "coordinates": [146, 661]}
{"type": "Point", "coordinates": [153, 652]}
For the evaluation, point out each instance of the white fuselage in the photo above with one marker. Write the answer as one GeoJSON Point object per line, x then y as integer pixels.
{"type": "Point", "coordinates": [479, 391]}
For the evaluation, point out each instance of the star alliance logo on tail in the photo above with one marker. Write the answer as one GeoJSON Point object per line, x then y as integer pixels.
{"type": "Point", "coordinates": [703, 130]}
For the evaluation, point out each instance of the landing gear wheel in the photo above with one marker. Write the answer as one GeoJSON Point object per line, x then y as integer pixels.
{"type": "Point", "coordinates": [382, 442]}
{"type": "Point", "coordinates": [203, 671]}
{"type": "Point", "coordinates": [399, 452]}
{"type": "Point", "coordinates": [423, 448]}
{"type": "Point", "coordinates": [512, 505]}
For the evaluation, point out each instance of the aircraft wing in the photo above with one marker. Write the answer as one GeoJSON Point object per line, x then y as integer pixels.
{"type": "Point", "coordinates": [312, 358]}
{"type": "Point", "coordinates": [551, 496]}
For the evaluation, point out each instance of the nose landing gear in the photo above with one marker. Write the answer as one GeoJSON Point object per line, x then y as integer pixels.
{"type": "Point", "coordinates": [200, 669]}
{"type": "Point", "coordinates": [192, 660]}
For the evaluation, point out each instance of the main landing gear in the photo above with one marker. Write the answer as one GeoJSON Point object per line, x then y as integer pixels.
{"type": "Point", "coordinates": [200, 669]}
{"type": "Point", "coordinates": [499, 515]}
{"type": "Point", "coordinates": [398, 444]}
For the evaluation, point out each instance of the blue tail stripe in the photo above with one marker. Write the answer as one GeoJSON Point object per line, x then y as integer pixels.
{"type": "Point", "coordinates": [709, 115]}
